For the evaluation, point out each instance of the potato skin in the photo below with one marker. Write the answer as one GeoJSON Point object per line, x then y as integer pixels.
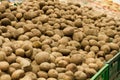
{"type": "Point", "coordinates": [42, 57]}
{"type": "Point", "coordinates": [77, 59]}
{"type": "Point", "coordinates": [80, 75]}
{"type": "Point", "coordinates": [4, 65]}
{"type": "Point", "coordinates": [5, 22]}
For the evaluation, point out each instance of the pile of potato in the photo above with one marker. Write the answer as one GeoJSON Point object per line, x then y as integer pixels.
{"type": "Point", "coordinates": [48, 40]}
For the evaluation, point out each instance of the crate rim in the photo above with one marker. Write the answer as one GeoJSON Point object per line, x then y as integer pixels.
{"type": "Point", "coordinates": [100, 71]}
{"type": "Point", "coordinates": [113, 59]}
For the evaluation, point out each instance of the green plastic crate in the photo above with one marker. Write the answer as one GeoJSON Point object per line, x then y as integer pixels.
{"type": "Point", "coordinates": [114, 67]}
{"type": "Point", "coordinates": [102, 74]}
{"type": "Point", "coordinates": [111, 70]}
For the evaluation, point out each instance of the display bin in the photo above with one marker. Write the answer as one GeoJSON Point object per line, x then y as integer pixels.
{"type": "Point", "coordinates": [102, 74]}
{"type": "Point", "coordinates": [110, 71]}
{"type": "Point", "coordinates": [114, 67]}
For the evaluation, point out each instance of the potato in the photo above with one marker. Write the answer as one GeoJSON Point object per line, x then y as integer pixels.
{"type": "Point", "coordinates": [103, 37]}
{"type": "Point", "coordinates": [94, 48]}
{"type": "Point", "coordinates": [2, 56]}
{"type": "Point", "coordinates": [53, 73]}
{"type": "Point", "coordinates": [5, 22]}
{"type": "Point", "coordinates": [56, 54]}
{"type": "Point", "coordinates": [42, 57]}
{"type": "Point", "coordinates": [80, 68]}
{"type": "Point", "coordinates": [105, 48]}
{"type": "Point", "coordinates": [4, 65]}
{"type": "Point", "coordinates": [91, 54]}
{"type": "Point", "coordinates": [114, 46]}
{"type": "Point", "coordinates": [71, 67]}
{"type": "Point", "coordinates": [51, 79]}
{"type": "Point", "coordinates": [5, 77]}
{"type": "Point", "coordinates": [60, 70]}
{"type": "Point", "coordinates": [15, 65]}
{"type": "Point", "coordinates": [108, 56]}
{"type": "Point", "coordinates": [59, 32]}
{"type": "Point", "coordinates": [5, 3]}
{"type": "Point", "coordinates": [68, 31]}
{"type": "Point", "coordinates": [110, 33]}
{"type": "Point", "coordinates": [77, 59]}
{"type": "Point", "coordinates": [100, 53]}
{"type": "Point", "coordinates": [42, 74]}
{"type": "Point", "coordinates": [29, 34]}
{"type": "Point", "coordinates": [17, 74]}
{"type": "Point", "coordinates": [78, 36]}
{"type": "Point", "coordinates": [44, 18]}
{"type": "Point", "coordinates": [2, 8]}
{"type": "Point", "coordinates": [36, 32]}
{"type": "Point", "coordinates": [101, 43]}
{"type": "Point", "coordinates": [19, 16]}
{"type": "Point", "coordinates": [62, 63]}
{"type": "Point", "coordinates": [79, 75]}
{"type": "Point", "coordinates": [64, 40]}
{"type": "Point", "coordinates": [84, 43]}
{"type": "Point", "coordinates": [25, 63]}
{"type": "Point", "coordinates": [27, 46]}
{"type": "Point", "coordinates": [20, 52]}
{"type": "Point", "coordinates": [69, 73]}
{"type": "Point", "coordinates": [64, 51]}
{"type": "Point", "coordinates": [87, 48]}
{"type": "Point", "coordinates": [28, 27]}
{"type": "Point", "coordinates": [26, 78]}
{"type": "Point", "coordinates": [42, 4]}
{"type": "Point", "coordinates": [11, 58]}
{"type": "Point", "coordinates": [10, 16]}
{"type": "Point", "coordinates": [45, 66]}
{"type": "Point", "coordinates": [93, 42]}
{"type": "Point", "coordinates": [113, 52]}
{"type": "Point", "coordinates": [11, 70]}
{"type": "Point", "coordinates": [74, 44]}
{"type": "Point", "coordinates": [90, 72]}
{"type": "Point", "coordinates": [29, 15]}
{"type": "Point", "coordinates": [35, 68]}
{"type": "Point", "coordinates": [19, 24]}
{"type": "Point", "coordinates": [37, 44]}
{"type": "Point", "coordinates": [49, 33]}
{"type": "Point", "coordinates": [102, 59]}
{"type": "Point", "coordinates": [78, 11]}
{"type": "Point", "coordinates": [94, 66]}
{"type": "Point", "coordinates": [31, 75]}
{"type": "Point", "coordinates": [48, 40]}
{"type": "Point", "coordinates": [78, 23]}
{"type": "Point", "coordinates": [41, 79]}
{"type": "Point", "coordinates": [90, 60]}
{"type": "Point", "coordinates": [64, 77]}
{"type": "Point", "coordinates": [99, 63]}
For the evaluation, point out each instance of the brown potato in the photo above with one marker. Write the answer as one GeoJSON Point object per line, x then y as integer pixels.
{"type": "Point", "coordinates": [68, 31]}
{"type": "Point", "coordinates": [77, 59]}
{"type": "Point", "coordinates": [45, 66]}
{"type": "Point", "coordinates": [42, 74]}
{"type": "Point", "coordinates": [53, 73]}
{"type": "Point", "coordinates": [71, 67]}
{"type": "Point", "coordinates": [42, 57]}
{"type": "Point", "coordinates": [5, 77]}
{"type": "Point", "coordinates": [5, 22]}
{"type": "Point", "coordinates": [79, 75]}
{"type": "Point", "coordinates": [17, 74]}
{"type": "Point", "coordinates": [2, 8]}
{"type": "Point", "coordinates": [2, 56]}
{"type": "Point", "coordinates": [4, 65]}
{"type": "Point", "coordinates": [78, 36]}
